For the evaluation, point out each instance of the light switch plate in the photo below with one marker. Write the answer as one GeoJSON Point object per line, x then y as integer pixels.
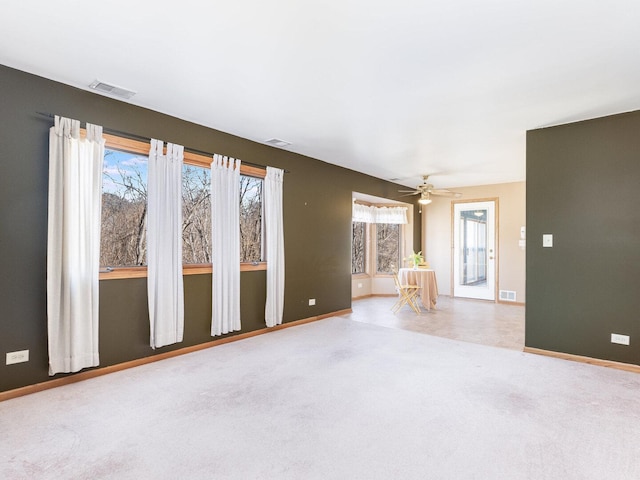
{"type": "Point", "coordinates": [547, 240]}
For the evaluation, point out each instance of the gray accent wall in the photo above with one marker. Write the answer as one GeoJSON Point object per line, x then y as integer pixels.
{"type": "Point", "coordinates": [317, 222]}
{"type": "Point", "coordinates": [583, 187]}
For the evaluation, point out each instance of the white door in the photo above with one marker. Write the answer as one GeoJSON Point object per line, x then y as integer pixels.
{"type": "Point", "coordinates": [474, 250]}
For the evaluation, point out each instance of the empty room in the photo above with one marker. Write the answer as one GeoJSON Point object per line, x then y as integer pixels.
{"type": "Point", "coordinates": [326, 240]}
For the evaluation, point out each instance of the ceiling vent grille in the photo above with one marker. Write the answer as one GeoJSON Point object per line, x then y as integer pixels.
{"type": "Point", "coordinates": [107, 88]}
{"type": "Point", "coordinates": [276, 142]}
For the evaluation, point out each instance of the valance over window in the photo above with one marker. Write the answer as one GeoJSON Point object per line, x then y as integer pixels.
{"type": "Point", "coordinates": [373, 214]}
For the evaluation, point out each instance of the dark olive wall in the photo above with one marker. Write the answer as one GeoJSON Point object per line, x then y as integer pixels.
{"type": "Point", "coordinates": [583, 187]}
{"type": "Point", "coordinates": [317, 222]}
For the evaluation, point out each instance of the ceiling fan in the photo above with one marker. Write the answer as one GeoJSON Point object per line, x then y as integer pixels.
{"type": "Point", "coordinates": [425, 190]}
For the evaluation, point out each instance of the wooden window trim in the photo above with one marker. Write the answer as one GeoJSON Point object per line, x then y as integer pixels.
{"type": "Point", "coordinates": [119, 273]}
{"type": "Point", "coordinates": [142, 148]}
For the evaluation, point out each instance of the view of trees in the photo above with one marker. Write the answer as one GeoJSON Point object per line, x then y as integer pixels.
{"type": "Point", "coordinates": [196, 214]}
{"type": "Point", "coordinates": [358, 248]}
{"type": "Point", "coordinates": [124, 213]}
{"type": "Point", "coordinates": [388, 247]}
{"type": "Point", "coordinates": [250, 219]}
{"type": "Point", "coordinates": [124, 210]}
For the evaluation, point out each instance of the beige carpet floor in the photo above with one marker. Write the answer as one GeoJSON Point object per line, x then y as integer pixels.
{"type": "Point", "coordinates": [334, 399]}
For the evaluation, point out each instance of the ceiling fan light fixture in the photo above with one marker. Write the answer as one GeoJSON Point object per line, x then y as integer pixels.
{"type": "Point", "coordinates": [424, 199]}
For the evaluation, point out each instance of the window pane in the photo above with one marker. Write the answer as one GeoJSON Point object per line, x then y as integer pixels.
{"type": "Point", "coordinates": [358, 247]}
{"type": "Point", "coordinates": [124, 210]}
{"type": "Point", "coordinates": [124, 213]}
{"type": "Point", "coordinates": [250, 219]}
{"type": "Point", "coordinates": [388, 247]}
{"type": "Point", "coordinates": [196, 214]}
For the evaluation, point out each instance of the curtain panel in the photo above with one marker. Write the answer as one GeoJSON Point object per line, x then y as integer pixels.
{"type": "Point", "coordinates": [274, 239]}
{"type": "Point", "coordinates": [73, 245]}
{"type": "Point", "coordinates": [164, 244]}
{"type": "Point", "coordinates": [225, 245]}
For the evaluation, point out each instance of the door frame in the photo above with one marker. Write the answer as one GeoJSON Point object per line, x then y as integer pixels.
{"type": "Point", "coordinates": [496, 204]}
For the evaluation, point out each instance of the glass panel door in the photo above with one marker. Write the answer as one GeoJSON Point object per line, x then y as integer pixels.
{"type": "Point", "coordinates": [474, 256]}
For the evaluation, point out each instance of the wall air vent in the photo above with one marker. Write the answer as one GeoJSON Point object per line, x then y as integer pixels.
{"type": "Point", "coordinates": [276, 142]}
{"type": "Point", "coordinates": [508, 295]}
{"type": "Point", "coordinates": [109, 89]}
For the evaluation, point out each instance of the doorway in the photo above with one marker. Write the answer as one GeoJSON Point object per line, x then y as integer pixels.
{"type": "Point", "coordinates": [474, 249]}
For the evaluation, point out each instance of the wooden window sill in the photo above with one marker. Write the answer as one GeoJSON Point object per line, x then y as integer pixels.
{"type": "Point", "coordinates": [141, 272]}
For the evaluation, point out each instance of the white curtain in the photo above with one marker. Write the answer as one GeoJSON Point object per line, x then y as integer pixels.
{"type": "Point", "coordinates": [164, 244]}
{"type": "Point", "coordinates": [73, 248]}
{"type": "Point", "coordinates": [274, 239]}
{"type": "Point", "coordinates": [225, 241]}
{"type": "Point", "coordinates": [373, 214]}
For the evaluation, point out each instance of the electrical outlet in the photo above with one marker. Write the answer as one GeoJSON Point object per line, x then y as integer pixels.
{"type": "Point", "coordinates": [312, 302]}
{"type": "Point", "coordinates": [620, 339]}
{"type": "Point", "coordinates": [17, 357]}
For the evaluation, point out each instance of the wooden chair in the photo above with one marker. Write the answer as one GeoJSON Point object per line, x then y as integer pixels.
{"type": "Point", "coordinates": [407, 295]}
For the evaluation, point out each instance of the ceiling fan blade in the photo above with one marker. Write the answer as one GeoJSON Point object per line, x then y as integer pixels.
{"type": "Point", "coordinates": [409, 191]}
{"type": "Point", "coordinates": [408, 194]}
{"type": "Point", "coordinates": [442, 192]}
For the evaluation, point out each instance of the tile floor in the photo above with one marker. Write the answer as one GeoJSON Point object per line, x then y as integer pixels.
{"type": "Point", "coordinates": [475, 321]}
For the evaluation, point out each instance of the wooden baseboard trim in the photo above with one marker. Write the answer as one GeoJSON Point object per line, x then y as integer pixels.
{"type": "Point", "coordinates": [97, 372]}
{"type": "Point", "coordinates": [362, 297]}
{"type": "Point", "coordinates": [371, 295]}
{"type": "Point", "coordinates": [518, 304]}
{"type": "Point", "coordinates": [629, 367]}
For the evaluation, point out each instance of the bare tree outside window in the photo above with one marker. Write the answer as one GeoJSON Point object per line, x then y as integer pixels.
{"type": "Point", "coordinates": [124, 210]}
{"type": "Point", "coordinates": [358, 247]}
{"type": "Point", "coordinates": [250, 219]}
{"type": "Point", "coordinates": [124, 213]}
{"type": "Point", "coordinates": [196, 215]}
{"type": "Point", "coordinates": [388, 247]}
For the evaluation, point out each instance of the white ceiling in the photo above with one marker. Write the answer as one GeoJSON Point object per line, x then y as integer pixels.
{"type": "Point", "coordinates": [393, 89]}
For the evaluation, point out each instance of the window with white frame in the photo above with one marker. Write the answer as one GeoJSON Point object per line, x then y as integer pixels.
{"type": "Point", "coordinates": [377, 238]}
{"type": "Point", "coordinates": [387, 248]}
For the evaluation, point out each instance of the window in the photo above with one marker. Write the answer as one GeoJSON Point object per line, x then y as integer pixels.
{"type": "Point", "coordinates": [387, 248]}
{"type": "Point", "coordinates": [377, 242]}
{"type": "Point", "coordinates": [250, 219]}
{"type": "Point", "coordinates": [359, 248]}
{"type": "Point", "coordinates": [124, 210]}
{"type": "Point", "coordinates": [196, 214]}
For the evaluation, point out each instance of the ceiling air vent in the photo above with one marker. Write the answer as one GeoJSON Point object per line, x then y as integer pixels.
{"type": "Point", "coordinates": [111, 89]}
{"type": "Point", "coordinates": [276, 142]}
